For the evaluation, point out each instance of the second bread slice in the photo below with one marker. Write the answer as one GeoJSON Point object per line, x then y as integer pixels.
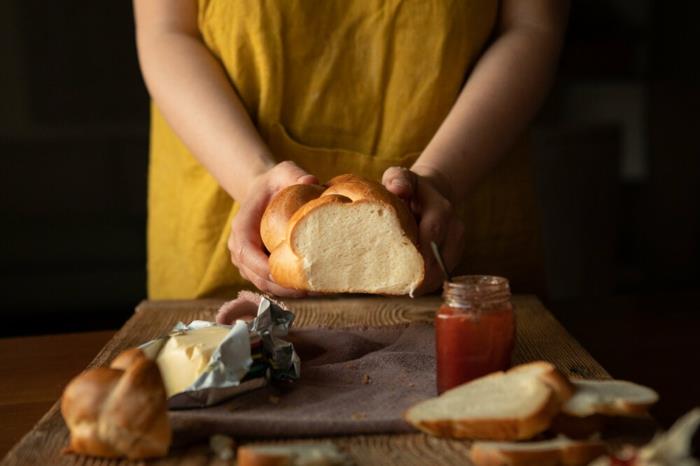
{"type": "Point", "coordinates": [610, 397]}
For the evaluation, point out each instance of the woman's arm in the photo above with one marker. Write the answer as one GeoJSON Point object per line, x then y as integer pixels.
{"type": "Point", "coordinates": [500, 97]}
{"type": "Point", "coordinates": [196, 98]}
{"type": "Point", "coordinates": [192, 91]}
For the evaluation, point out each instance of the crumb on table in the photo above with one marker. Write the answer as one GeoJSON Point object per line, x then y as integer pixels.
{"type": "Point", "coordinates": [223, 446]}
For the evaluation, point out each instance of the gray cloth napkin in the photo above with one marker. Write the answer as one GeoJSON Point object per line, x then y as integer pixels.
{"type": "Point", "coordinates": [353, 381]}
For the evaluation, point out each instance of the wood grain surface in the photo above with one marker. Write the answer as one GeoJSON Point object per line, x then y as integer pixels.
{"type": "Point", "coordinates": [539, 336]}
{"type": "Point", "coordinates": [33, 372]}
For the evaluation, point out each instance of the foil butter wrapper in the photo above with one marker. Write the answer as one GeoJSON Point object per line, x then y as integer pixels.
{"type": "Point", "coordinates": [248, 357]}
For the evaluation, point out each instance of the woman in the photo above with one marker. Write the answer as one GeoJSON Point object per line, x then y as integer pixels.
{"type": "Point", "coordinates": [251, 96]}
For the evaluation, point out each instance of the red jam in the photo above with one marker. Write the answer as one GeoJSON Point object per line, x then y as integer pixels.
{"type": "Point", "coordinates": [474, 332]}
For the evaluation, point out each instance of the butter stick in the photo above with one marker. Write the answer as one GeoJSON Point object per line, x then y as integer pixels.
{"type": "Point", "coordinates": [186, 356]}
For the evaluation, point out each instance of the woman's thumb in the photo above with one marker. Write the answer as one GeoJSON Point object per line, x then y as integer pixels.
{"type": "Point", "coordinates": [400, 181]}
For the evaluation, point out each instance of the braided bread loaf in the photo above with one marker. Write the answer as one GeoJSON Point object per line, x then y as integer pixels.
{"type": "Point", "coordinates": [118, 411]}
{"type": "Point", "coordinates": [354, 236]}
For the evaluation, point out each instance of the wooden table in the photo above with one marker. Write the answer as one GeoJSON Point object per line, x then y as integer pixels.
{"type": "Point", "coordinates": [540, 336]}
{"type": "Point", "coordinates": [33, 373]}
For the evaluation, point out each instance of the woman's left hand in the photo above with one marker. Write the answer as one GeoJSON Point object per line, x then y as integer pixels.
{"type": "Point", "coordinates": [428, 196]}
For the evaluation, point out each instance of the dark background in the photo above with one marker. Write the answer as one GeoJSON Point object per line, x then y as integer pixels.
{"type": "Point", "coordinates": [618, 165]}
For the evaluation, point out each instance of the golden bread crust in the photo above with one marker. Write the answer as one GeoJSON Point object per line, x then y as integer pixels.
{"type": "Point", "coordinates": [273, 226]}
{"type": "Point", "coordinates": [286, 268]}
{"type": "Point", "coordinates": [119, 411]}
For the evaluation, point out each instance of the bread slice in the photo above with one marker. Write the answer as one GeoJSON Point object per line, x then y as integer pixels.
{"type": "Point", "coordinates": [356, 237]}
{"type": "Point", "coordinates": [556, 452]}
{"type": "Point", "coordinates": [548, 374]}
{"type": "Point", "coordinates": [513, 405]}
{"type": "Point", "coordinates": [313, 454]}
{"type": "Point", "coordinates": [609, 397]}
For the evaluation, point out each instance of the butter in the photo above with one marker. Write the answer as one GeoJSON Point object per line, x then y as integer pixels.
{"type": "Point", "coordinates": [185, 357]}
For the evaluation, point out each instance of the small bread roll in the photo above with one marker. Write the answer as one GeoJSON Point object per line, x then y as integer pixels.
{"type": "Point", "coordinates": [120, 411]}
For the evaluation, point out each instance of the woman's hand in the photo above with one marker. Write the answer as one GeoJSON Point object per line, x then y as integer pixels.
{"type": "Point", "coordinates": [244, 243]}
{"type": "Point", "coordinates": [428, 195]}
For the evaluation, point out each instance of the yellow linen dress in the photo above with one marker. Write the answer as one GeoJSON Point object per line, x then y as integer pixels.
{"type": "Point", "coordinates": [338, 86]}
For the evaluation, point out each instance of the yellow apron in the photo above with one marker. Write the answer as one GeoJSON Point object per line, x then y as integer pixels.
{"type": "Point", "coordinates": [339, 87]}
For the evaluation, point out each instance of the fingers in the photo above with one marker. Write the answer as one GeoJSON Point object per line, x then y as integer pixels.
{"type": "Point", "coordinates": [400, 181]}
{"type": "Point", "coordinates": [249, 257]}
{"type": "Point", "coordinates": [266, 285]}
{"type": "Point", "coordinates": [451, 251]}
{"type": "Point", "coordinates": [239, 308]}
{"type": "Point", "coordinates": [453, 245]}
{"type": "Point", "coordinates": [245, 247]}
{"type": "Point", "coordinates": [437, 223]}
{"type": "Point", "coordinates": [252, 264]}
{"type": "Point", "coordinates": [244, 243]}
{"type": "Point", "coordinates": [436, 214]}
{"type": "Point", "coordinates": [432, 227]}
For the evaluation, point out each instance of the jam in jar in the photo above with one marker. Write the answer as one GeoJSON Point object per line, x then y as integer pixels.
{"type": "Point", "coordinates": [474, 329]}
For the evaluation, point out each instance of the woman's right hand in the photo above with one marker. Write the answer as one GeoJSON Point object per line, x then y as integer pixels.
{"type": "Point", "coordinates": [244, 243]}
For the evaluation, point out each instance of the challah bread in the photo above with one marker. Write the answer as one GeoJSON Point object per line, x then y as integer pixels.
{"type": "Point", "coordinates": [118, 411]}
{"type": "Point", "coordinates": [354, 237]}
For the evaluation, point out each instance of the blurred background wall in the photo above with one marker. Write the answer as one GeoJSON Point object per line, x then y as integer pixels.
{"type": "Point", "coordinates": [618, 158]}
{"type": "Point", "coordinates": [73, 148]}
{"type": "Point", "coordinates": [617, 155]}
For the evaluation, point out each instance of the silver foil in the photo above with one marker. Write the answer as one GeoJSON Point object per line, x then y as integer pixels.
{"type": "Point", "coordinates": [232, 360]}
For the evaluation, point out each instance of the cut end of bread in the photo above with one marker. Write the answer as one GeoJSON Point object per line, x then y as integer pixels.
{"type": "Point", "coordinates": [356, 247]}
{"type": "Point", "coordinates": [556, 452]}
{"type": "Point", "coordinates": [513, 405]}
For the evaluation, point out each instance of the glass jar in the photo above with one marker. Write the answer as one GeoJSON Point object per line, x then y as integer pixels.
{"type": "Point", "coordinates": [474, 329]}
